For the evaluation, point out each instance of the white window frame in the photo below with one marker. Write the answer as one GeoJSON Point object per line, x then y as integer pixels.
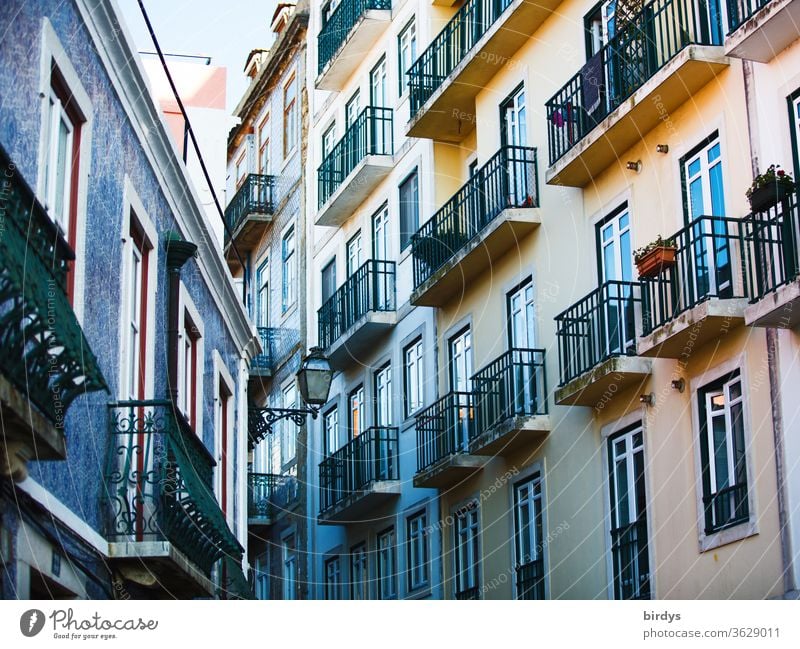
{"type": "Point", "coordinates": [289, 565]}
{"type": "Point", "coordinates": [418, 540]}
{"type": "Point", "coordinates": [330, 430]}
{"type": "Point", "coordinates": [187, 308]}
{"type": "Point", "coordinates": [289, 429]}
{"type": "Point", "coordinates": [355, 396]}
{"type": "Point", "coordinates": [289, 279]}
{"type": "Point", "coordinates": [384, 402]}
{"type": "Point", "coordinates": [413, 376]}
{"type": "Point", "coordinates": [386, 563]}
{"type": "Point", "coordinates": [404, 43]}
{"type": "Point", "coordinates": [332, 587]}
{"type": "Point", "coordinates": [222, 377]}
{"type": "Point", "coordinates": [359, 558]}
{"type": "Point", "coordinates": [467, 532]}
{"type": "Point", "coordinates": [290, 116]}
{"type": "Point", "coordinates": [261, 578]}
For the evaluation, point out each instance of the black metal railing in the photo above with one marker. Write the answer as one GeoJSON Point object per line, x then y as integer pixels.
{"type": "Point", "coordinates": [774, 246]}
{"type": "Point", "coordinates": [336, 29]}
{"type": "Point", "coordinates": [600, 326]}
{"type": "Point", "coordinates": [450, 47]}
{"type": "Point", "coordinates": [643, 44]}
{"type": "Point", "coordinates": [530, 580]}
{"type": "Point", "coordinates": [255, 196]}
{"type": "Point", "coordinates": [740, 11]}
{"type": "Point", "coordinates": [473, 592]}
{"type": "Point", "coordinates": [369, 134]}
{"type": "Point", "coordinates": [371, 457]}
{"type": "Point", "coordinates": [726, 508]}
{"type": "Point", "coordinates": [370, 288]}
{"type": "Point", "coordinates": [710, 262]}
{"type": "Point", "coordinates": [276, 344]}
{"type": "Point", "coordinates": [444, 428]}
{"type": "Point", "coordinates": [630, 556]}
{"type": "Point", "coordinates": [269, 494]}
{"type": "Point", "coordinates": [507, 180]}
{"type": "Point", "coordinates": [512, 385]}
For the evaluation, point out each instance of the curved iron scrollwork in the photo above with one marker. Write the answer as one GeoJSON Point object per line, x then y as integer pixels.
{"type": "Point", "coordinates": [261, 420]}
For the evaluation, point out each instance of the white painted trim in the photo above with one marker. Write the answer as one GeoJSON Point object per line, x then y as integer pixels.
{"type": "Point", "coordinates": [523, 476]}
{"type": "Point", "coordinates": [187, 307]}
{"type": "Point", "coordinates": [221, 374]}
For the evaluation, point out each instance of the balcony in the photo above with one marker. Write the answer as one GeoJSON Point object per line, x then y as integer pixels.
{"type": "Point", "coordinates": [359, 313]}
{"type": "Point", "coordinates": [530, 580]}
{"type": "Point", "coordinates": [360, 476]}
{"type": "Point", "coordinates": [268, 496]}
{"type": "Point", "coordinates": [355, 166]}
{"type": "Point", "coordinates": [164, 525]}
{"type": "Point", "coordinates": [597, 345]}
{"type": "Point", "coordinates": [478, 41]}
{"type": "Point", "coordinates": [761, 29]}
{"type": "Point", "coordinates": [346, 38]}
{"type": "Point", "coordinates": [701, 297]}
{"type": "Point", "coordinates": [774, 265]}
{"type": "Point", "coordinates": [46, 360]}
{"type": "Point", "coordinates": [277, 345]}
{"type": "Point", "coordinates": [656, 62]}
{"type": "Point", "coordinates": [510, 396]}
{"type": "Point", "coordinates": [483, 220]}
{"type": "Point", "coordinates": [249, 212]}
{"type": "Point", "coordinates": [443, 433]}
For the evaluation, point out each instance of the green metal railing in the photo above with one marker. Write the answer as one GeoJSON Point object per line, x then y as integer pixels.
{"type": "Point", "coordinates": [45, 354]}
{"type": "Point", "coordinates": [254, 197]}
{"type": "Point", "coordinates": [369, 134]}
{"type": "Point", "coordinates": [444, 428]}
{"type": "Point", "coordinates": [336, 29]}
{"type": "Point", "coordinates": [598, 327]}
{"type": "Point", "coordinates": [643, 45]}
{"type": "Point", "coordinates": [630, 557]}
{"type": "Point", "coordinates": [450, 47]}
{"type": "Point", "coordinates": [158, 484]}
{"type": "Point", "coordinates": [371, 457]}
{"type": "Point", "coordinates": [513, 385]}
{"type": "Point", "coordinates": [277, 343]}
{"type": "Point", "coordinates": [740, 11]}
{"type": "Point", "coordinates": [530, 580]}
{"type": "Point", "coordinates": [726, 508]}
{"type": "Point", "coordinates": [269, 494]}
{"type": "Point", "coordinates": [507, 180]}
{"type": "Point", "coordinates": [370, 288]}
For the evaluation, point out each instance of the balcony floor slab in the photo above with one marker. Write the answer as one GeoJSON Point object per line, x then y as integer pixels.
{"type": "Point", "coordinates": [356, 507]}
{"type": "Point", "coordinates": [248, 233]}
{"type": "Point", "coordinates": [510, 436]}
{"type": "Point", "coordinates": [354, 190]}
{"type": "Point", "coordinates": [780, 309]}
{"type": "Point", "coordinates": [449, 471]}
{"type": "Point", "coordinates": [767, 33]}
{"type": "Point", "coordinates": [358, 341]}
{"type": "Point", "coordinates": [595, 387]}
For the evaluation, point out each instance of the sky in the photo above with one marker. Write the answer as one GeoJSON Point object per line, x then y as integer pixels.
{"type": "Point", "coordinates": [226, 31]}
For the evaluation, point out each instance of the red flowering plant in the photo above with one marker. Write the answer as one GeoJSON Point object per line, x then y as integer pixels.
{"type": "Point", "coordinates": [774, 176]}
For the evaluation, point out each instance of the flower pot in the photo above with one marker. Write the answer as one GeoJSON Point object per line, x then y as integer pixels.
{"type": "Point", "coordinates": [765, 197]}
{"type": "Point", "coordinates": [655, 261]}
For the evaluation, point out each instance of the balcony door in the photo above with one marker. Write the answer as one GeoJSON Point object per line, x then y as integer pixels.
{"type": "Point", "coordinates": [262, 299]}
{"type": "Point", "coordinates": [355, 146]}
{"type": "Point", "coordinates": [461, 381]}
{"type": "Point", "coordinates": [380, 252]}
{"type": "Point", "coordinates": [521, 326]}
{"type": "Point", "coordinates": [379, 98]}
{"type": "Point", "coordinates": [513, 133]}
{"type": "Point", "coordinates": [615, 259]}
{"type": "Point", "coordinates": [629, 550]}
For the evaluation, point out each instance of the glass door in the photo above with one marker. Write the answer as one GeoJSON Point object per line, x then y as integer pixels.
{"type": "Point", "coordinates": [461, 383]}
{"type": "Point", "coordinates": [521, 315]}
{"type": "Point", "coordinates": [514, 134]}
{"type": "Point", "coordinates": [379, 99]}
{"type": "Point", "coordinates": [380, 252]}
{"type": "Point", "coordinates": [617, 321]}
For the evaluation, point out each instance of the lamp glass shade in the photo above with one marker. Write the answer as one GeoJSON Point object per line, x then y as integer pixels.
{"type": "Point", "coordinates": [314, 378]}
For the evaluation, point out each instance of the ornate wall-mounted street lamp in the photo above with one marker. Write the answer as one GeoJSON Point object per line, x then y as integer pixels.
{"type": "Point", "coordinates": [314, 383]}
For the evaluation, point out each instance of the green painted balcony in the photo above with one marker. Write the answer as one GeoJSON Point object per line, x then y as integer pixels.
{"type": "Point", "coordinates": [269, 496]}
{"type": "Point", "coordinates": [481, 222]}
{"type": "Point", "coordinates": [249, 213]}
{"type": "Point", "coordinates": [360, 476]}
{"type": "Point", "coordinates": [361, 311]}
{"type": "Point", "coordinates": [761, 29]}
{"type": "Point", "coordinates": [355, 166]}
{"type": "Point", "coordinates": [164, 525]}
{"type": "Point", "coordinates": [46, 361]}
{"type": "Point", "coordinates": [480, 39]}
{"type": "Point", "coordinates": [348, 33]}
{"type": "Point", "coordinates": [657, 61]}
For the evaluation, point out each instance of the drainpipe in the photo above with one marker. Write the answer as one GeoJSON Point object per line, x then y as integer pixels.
{"type": "Point", "coordinates": [178, 253]}
{"type": "Point", "coordinates": [772, 361]}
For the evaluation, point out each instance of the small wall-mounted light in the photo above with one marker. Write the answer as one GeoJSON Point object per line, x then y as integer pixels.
{"type": "Point", "coordinates": [679, 385]}
{"type": "Point", "coordinates": [647, 399]}
{"type": "Point", "coordinates": [662, 148]}
{"type": "Point", "coordinates": [634, 165]}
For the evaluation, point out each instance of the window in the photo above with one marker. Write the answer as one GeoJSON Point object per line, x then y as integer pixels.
{"type": "Point", "coordinates": [263, 150]}
{"type": "Point", "coordinates": [359, 585]}
{"type": "Point", "coordinates": [406, 53]}
{"type": "Point", "coordinates": [461, 361]}
{"type": "Point", "coordinates": [356, 412]}
{"type": "Point", "coordinates": [137, 292]}
{"type": "Point", "coordinates": [289, 117]}
{"type": "Point", "coordinates": [288, 427]}
{"type": "Point", "coordinates": [262, 298]}
{"type": "Point", "coordinates": [417, 551]}
{"type": "Point", "coordinates": [355, 254]}
{"type": "Point", "coordinates": [387, 565]}
{"type": "Point", "coordinates": [722, 453]}
{"type": "Point", "coordinates": [409, 209]}
{"type": "Point", "coordinates": [289, 552]}
{"type": "Point", "coordinates": [289, 292]}
{"type": "Point", "coordinates": [599, 26]}
{"type": "Point", "coordinates": [414, 377]}
{"type": "Point", "coordinates": [328, 140]}
{"type": "Point", "coordinates": [224, 411]}
{"type": "Point", "coordinates": [333, 578]}
{"type": "Point", "coordinates": [378, 88]}
{"type": "Point", "coordinates": [466, 553]}
{"type": "Point", "coordinates": [328, 280]}
{"type": "Point", "coordinates": [327, 10]}
{"type": "Point", "coordinates": [380, 234]}
{"type": "Point", "coordinates": [262, 576]}
{"type": "Point", "coordinates": [794, 127]}
{"type": "Point", "coordinates": [528, 539]}
{"type": "Point", "coordinates": [241, 169]}
{"type": "Point", "coordinates": [188, 370]}
{"type": "Point", "coordinates": [383, 396]}
{"type": "Point", "coordinates": [331, 425]}
{"type": "Point", "coordinates": [352, 109]}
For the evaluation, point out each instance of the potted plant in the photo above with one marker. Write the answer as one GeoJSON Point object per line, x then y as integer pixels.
{"type": "Point", "coordinates": [655, 257]}
{"type": "Point", "coordinates": [768, 188]}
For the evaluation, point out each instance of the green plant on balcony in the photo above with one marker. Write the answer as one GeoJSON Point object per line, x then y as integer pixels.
{"type": "Point", "coordinates": [769, 188]}
{"type": "Point", "coordinates": [655, 256]}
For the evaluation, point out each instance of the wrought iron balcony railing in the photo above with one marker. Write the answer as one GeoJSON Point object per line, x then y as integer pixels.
{"type": "Point", "coordinates": [336, 29]}
{"type": "Point", "coordinates": [711, 262]}
{"type": "Point", "coordinates": [600, 326]}
{"type": "Point", "coordinates": [268, 494]}
{"type": "Point", "coordinates": [507, 180]}
{"type": "Point", "coordinates": [772, 237]}
{"type": "Point", "coordinates": [513, 385]}
{"type": "Point", "coordinates": [530, 580]}
{"type": "Point", "coordinates": [255, 196]}
{"type": "Point", "coordinates": [450, 47]}
{"type": "Point", "coordinates": [370, 288]}
{"type": "Point", "coordinates": [371, 457]}
{"type": "Point", "coordinates": [159, 484]}
{"type": "Point", "coordinates": [631, 561]}
{"type": "Point", "coordinates": [444, 428]}
{"type": "Point", "coordinates": [45, 353]}
{"type": "Point", "coordinates": [740, 11]}
{"type": "Point", "coordinates": [369, 134]}
{"type": "Point", "coordinates": [643, 44]}
{"type": "Point", "coordinates": [726, 508]}
{"type": "Point", "coordinates": [276, 344]}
